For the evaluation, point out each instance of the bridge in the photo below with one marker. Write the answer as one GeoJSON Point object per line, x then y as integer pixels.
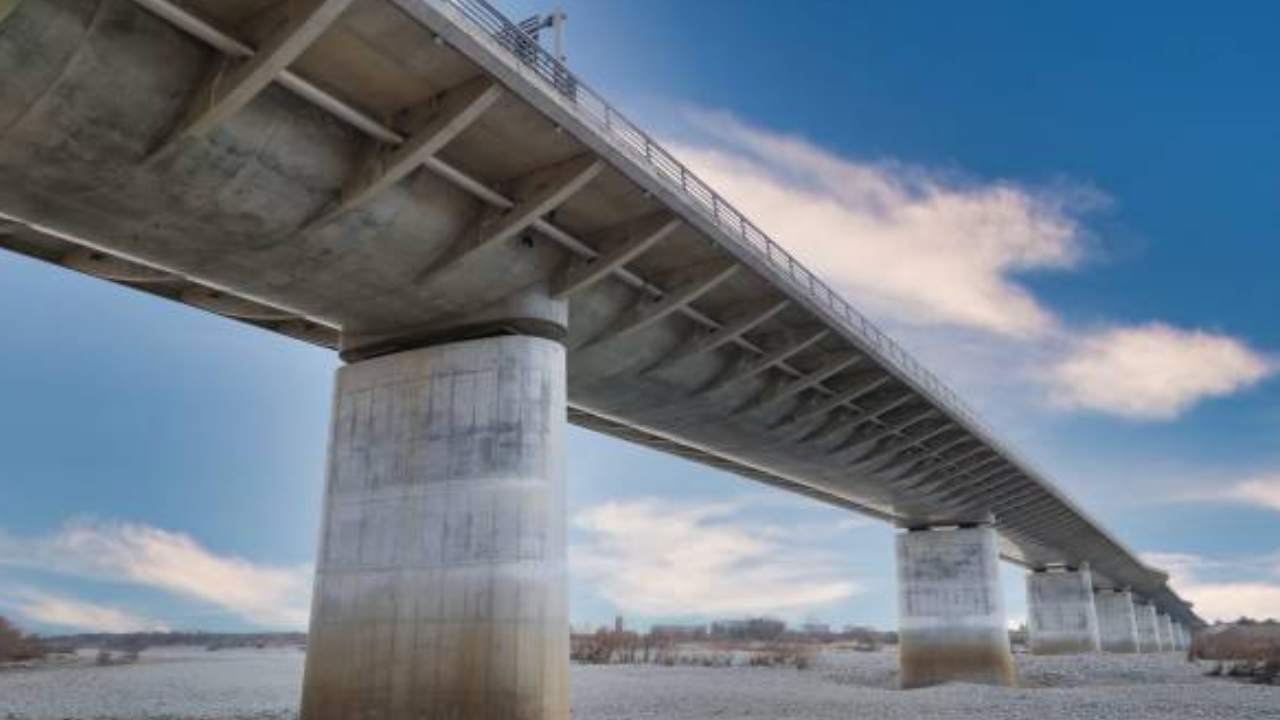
{"type": "Point", "coordinates": [493, 249]}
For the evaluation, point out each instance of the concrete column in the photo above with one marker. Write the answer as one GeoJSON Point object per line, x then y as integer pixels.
{"type": "Point", "coordinates": [441, 590]}
{"type": "Point", "coordinates": [1178, 640]}
{"type": "Point", "coordinates": [1148, 628]}
{"type": "Point", "coordinates": [1166, 632]}
{"type": "Point", "coordinates": [1117, 624]}
{"type": "Point", "coordinates": [951, 613]}
{"type": "Point", "coordinates": [1061, 619]}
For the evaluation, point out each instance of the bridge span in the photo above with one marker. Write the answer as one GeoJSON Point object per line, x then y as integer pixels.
{"type": "Point", "coordinates": [492, 248]}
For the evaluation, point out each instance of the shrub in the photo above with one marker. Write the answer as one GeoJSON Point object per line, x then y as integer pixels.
{"type": "Point", "coordinates": [16, 645]}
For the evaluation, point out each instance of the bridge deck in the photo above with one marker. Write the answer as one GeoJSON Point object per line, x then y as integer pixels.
{"type": "Point", "coordinates": [367, 174]}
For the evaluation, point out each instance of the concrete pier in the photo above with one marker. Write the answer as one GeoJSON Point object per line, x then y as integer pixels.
{"type": "Point", "coordinates": [441, 588]}
{"type": "Point", "coordinates": [1117, 623]}
{"type": "Point", "coordinates": [1061, 618]}
{"type": "Point", "coordinates": [1166, 632]}
{"type": "Point", "coordinates": [1148, 629]}
{"type": "Point", "coordinates": [951, 613]}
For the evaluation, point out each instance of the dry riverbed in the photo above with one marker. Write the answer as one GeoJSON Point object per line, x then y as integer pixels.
{"type": "Point", "coordinates": [263, 685]}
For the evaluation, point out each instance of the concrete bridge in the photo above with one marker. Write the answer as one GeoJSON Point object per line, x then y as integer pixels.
{"type": "Point", "coordinates": [494, 249]}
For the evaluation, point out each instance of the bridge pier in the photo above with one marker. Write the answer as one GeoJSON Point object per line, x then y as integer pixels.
{"type": "Point", "coordinates": [1117, 624]}
{"type": "Point", "coordinates": [1148, 628]}
{"type": "Point", "coordinates": [1061, 618]}
{"type": "Point", "coordinates": [1166, 632]}
{"type": "Point", "coordinates": [440, 587]}
{"type": "Point", "coordinates": [950, 609]}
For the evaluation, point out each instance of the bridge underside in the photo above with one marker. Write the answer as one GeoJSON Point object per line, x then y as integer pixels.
{"type": "Point", "coordinates": [463, 188]}
{"type": "Point", "coordinates": [384, 176]}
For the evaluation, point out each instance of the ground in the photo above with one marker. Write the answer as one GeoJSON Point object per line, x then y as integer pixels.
{"type": "Point", "coordinates": [263, 685]}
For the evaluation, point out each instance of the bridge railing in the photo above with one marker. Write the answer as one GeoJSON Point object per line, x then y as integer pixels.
{"type": "Point", "coordinates": [626, 135]}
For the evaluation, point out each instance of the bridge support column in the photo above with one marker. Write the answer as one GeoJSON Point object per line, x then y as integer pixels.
{"type": "Point", "coordinates": [440, 588]}
{"type": "Point", "coordinates": [1148, 628]}
{"type": "Point", "coordinates": [1117, 623]}
{"type": "Point", "coordinates": [1166, 632]}
{"type": "Point", "coordinates": [950, 610]}
{"type": "Point", "coordinates": [1061, 618]}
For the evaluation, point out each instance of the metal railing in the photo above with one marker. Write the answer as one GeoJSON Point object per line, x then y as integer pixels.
{"type": "Point", "coordinates": [627, 136]}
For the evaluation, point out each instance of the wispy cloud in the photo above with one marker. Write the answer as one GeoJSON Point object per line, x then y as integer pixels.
{"type": "Point", "coordinates": [943, 261]}
{"type": "Point", "coordinates": [657, 558]}
{"type": "Point", "coordinates": [73, 614]}
{"type": "Point", "coordinates": [1223, 591]}
{"type": "Point", "coordinates": [1153, 371]}
{"type": "Point", "coordinates": [909, 244]}
{"type": "Point", "coordinates": [174, 563]}
{"type": "Point", "coordinates": [1261, 490]}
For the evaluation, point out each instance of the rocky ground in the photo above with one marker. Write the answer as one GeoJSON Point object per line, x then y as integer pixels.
{"type": "Point", "coordinates": [263, 685]}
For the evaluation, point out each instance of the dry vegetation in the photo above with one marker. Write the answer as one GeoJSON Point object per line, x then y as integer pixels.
{"type": "Point", "coordinates": [1245, 650]}
{"type": "Point", "coordinates": [629, 648]}
{"type": "Point", "coordinates": [17, 646]}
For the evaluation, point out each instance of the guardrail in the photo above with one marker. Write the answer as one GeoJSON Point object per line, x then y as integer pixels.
{"type": "Point", "coordinates": [591, 106]}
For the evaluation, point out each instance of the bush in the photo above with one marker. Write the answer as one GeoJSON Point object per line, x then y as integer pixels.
{"type": "Point", "coordinates": [16, 645]}
{"type": "Point", "coordinates": [1249, 650]}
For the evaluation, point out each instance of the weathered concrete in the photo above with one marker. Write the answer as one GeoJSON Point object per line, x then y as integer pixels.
{"type": "Point", "coordinates": [1148, 628]}
{"type": "Point", "coordinates": [441, 588]}
{"type": "Point", "coordinates": [950, 609]}
{"type": "Point", "coordinates": [1117, 623]}
{"type": "Point", "coordinates": [1061, 618]}
{"type": "Point", "coordinates": [1165, 625]}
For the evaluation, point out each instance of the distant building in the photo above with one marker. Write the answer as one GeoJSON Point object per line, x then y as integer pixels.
{"type": "Point", "coordinates": [818, 629]}
{"type": "Point", "coordinates": [752, 629]}
{"type": "Point", "coordinates": [680, 633]}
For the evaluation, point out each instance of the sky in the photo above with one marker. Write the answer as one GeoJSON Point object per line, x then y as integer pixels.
{"type": "Point", "coordinates": [1067, 211]}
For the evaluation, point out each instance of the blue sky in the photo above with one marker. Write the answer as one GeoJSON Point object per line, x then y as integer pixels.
{"type": "Point", "coordinates": [1068, 197]}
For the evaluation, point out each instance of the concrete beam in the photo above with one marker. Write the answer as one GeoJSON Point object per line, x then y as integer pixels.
{"type": "Point", "coordinates": [441, 588]}
{"type": "Point", "coordinates": [708, 341]}
{"type": "Point", "coordinates": [444, 118]}
{"type": "Point", "coordinates": [842, 398]}
{"type": "Point", "coordinates": [751, 366]}
{"type": "Point", "coordinates": [950, 609]}
{"type": "Point", "coordinates": [541, 193]}
{"type": "Point", "coordinates": [227, 93]}
{"type": "Point", "coordinates": [791, 388]}
{"type": "Point", "coordinates": [696, 284]}
{"type": "Point", "coordinates": [109, 267]}
{"type": "Point", "coordinates": [622, 246]}
{"type": "Point", "coordinates": [1061, 617]}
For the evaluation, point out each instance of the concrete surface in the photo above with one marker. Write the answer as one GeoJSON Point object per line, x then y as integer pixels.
{"type": "Point", "coordinates": [950, 609]}
{"type": "Point", "coordinates": [1149, 640]}
{"type": "Point", "coordinates": [441, 588]}
{"type": "Point", "coordinates": [1117, 622]}
{"type": "Point", "coordinates": [1061, 618]}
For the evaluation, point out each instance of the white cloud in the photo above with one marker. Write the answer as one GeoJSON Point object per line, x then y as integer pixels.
{"type": "Point", "coordinates": [656, 558]}
{"type": "Point", "coordinates": [1264, 491]}
{"type": "Point", "coordinates": [1218, 598]}
{"type": "Point", "coordinates": [170, 562]}
{"type": "Point", "coordinates": [940, 260]}
{"type": "Point", "coordinates": [907, 244]}
{"type": "Point", "coordinates": [1153, 371]}
{"type": "Point", "coordinates": [72, 614]}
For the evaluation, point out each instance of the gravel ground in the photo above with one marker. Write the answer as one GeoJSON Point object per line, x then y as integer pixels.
{"type": "Point", "coordinates": [263, 685]}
